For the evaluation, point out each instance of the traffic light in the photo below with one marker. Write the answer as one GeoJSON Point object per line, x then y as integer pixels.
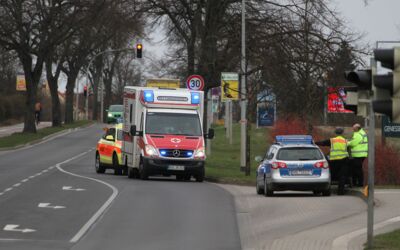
{"type": "Point", "coordinates": [362, 79]}
{"type": "Point", "coordinates": [139, 48]}
{"type": "Point", "coordinates": [85, 91]}
{"type": "Point", "coordinates": [387, 92]}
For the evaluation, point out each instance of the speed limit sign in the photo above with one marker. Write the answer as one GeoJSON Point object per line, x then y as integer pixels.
{"type": "Point", "coordinates": [195, 82]}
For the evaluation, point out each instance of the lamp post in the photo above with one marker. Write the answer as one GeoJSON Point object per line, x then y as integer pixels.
{"type": "Point", "coordinates": [101, 85]}
{"type": "Point", "coordinates": [243, 96]}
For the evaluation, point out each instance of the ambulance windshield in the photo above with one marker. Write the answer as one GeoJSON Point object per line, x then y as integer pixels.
{"type": "Point", "coordinates": [173, 123]}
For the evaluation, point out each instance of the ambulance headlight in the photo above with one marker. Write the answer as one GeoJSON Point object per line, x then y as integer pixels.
{"type": "Point", "coordinates": [195, 98]}
{"type": "Point", "coordinates": [148, 96]}
{"type": "Point", "coordinates": [150, 150]}
{"type": "Point", "coordinates": [200, 153]}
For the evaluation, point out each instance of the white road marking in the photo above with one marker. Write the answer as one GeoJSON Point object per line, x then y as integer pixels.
{"type": "Point", "coordinates": [1, 193]}
{"type": "Point", "coordinates": [342, 242]}
{"type": "Point", "coordinates": [51, 167]}
{"type": "Point", "coordinates": [102, 209]}
{"type": "Point", "coordinates": [69, 188]}
{"type": "Point", "coordinates": [7, 189]}
{"type": "Point", "coordinates": [25, 180]}
{"type": "Point", "coordinates": [45, 171]}
{"type": "Point", "coordinates": [17, 185]}
{"type": "Point", "coordinates": [47, 205]}
{"type": "Point", "coordinates": [13, 228]}
{"type": "Point", "coordinates": [32, 176]}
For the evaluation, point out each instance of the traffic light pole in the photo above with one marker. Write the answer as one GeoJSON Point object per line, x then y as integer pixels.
{"type": "Point", "coordinates": [371, 176]}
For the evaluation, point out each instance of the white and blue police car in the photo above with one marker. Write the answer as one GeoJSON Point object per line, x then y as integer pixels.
{"type": "Point", "coordinates": [293, 162]}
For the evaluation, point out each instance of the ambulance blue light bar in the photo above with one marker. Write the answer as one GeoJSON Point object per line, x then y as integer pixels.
{"type": "Point", "coordinates": [294, 139]}
{"type": "Point", "coordinates": [195, 98]}
{"type": "Point", "coordinates": [148, 95]}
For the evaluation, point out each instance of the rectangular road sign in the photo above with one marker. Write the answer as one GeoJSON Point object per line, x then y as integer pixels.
{"type": "Point", "coordinates": [229, 86]}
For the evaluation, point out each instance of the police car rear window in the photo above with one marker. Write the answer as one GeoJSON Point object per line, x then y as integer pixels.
{"type": "Point", "coordinates": [299, 154]}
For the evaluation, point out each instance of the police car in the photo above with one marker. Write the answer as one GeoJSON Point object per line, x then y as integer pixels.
{"type": "Point", "coordinates": [293, 162]}
{"type": "Point", "coordinates": [108, 151]}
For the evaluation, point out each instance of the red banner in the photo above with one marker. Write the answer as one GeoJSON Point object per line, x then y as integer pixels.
{"type": "Point", "coordinates": [336, 97]}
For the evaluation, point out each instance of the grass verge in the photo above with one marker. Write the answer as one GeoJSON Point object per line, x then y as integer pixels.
{"type": "Point", "coordinates": [223, 165]}
{"type": "Point", "coordinates": [388, 241]}
{"type": "Point", "coordinates": [18, 139]}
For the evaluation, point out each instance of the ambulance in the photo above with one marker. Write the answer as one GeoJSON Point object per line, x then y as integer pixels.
{"type": "Point", "coordinates": [163, 133]}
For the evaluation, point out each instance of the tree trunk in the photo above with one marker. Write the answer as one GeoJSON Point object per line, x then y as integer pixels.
{"type": "Point", "coordinates": [69, 100]}
{"type": "Point", "coordinates": [32, 80]}
{"type": "Point", "coordinates": [55, 100]}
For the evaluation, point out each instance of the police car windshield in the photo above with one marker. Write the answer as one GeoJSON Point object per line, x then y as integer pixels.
{"type": "Point", "coordinates": [299, 154]}
{"type": "Point", "coordinates": [116, 108]}
{"type": "Point", "coordinates": [173, 123]}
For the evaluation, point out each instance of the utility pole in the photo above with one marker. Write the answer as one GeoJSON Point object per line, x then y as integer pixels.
{"type": "Point", "coordinates": [243, 96]}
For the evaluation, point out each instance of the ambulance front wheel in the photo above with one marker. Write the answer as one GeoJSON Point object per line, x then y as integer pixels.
{"type": "Point", "coordinates": [100, 169]}
{"type": "Point", "coordinates": [200, 176]}
{"type": "Point", "coordinates": [143, 171]}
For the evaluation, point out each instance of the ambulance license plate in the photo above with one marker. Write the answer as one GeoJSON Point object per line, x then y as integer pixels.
{"type": "Point", "coordinates": [176, 167]}
{"type": "Point", "coordinates": [300, 172]}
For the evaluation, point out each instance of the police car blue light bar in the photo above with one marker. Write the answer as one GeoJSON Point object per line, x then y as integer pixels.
{"type": "Point", "coordinates": [148, 96]}
{"type": "Point", "coordinates": [195, 98]}
{"type": "Point", "coordinates": [294, 139]}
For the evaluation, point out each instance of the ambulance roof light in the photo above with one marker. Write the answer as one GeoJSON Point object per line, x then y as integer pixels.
{"type": "Point", "coordinates": [148, 95]}
{"type": "Point", "coordinates": [195, 97]}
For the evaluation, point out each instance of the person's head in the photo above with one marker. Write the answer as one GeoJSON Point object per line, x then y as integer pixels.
{"type": "Point", "coordinates": [339, 130]}
{"type": "Point", "coordinates": [356, 127]}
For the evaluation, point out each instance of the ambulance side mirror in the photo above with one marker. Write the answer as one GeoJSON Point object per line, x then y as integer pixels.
{"type": "Point", "coordinates": [210, 134]}
{"type": "Point", "coordinates": [133, 130]}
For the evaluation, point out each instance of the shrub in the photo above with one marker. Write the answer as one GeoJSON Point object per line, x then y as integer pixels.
{"type": "Point", "coordinates": [387, 165]}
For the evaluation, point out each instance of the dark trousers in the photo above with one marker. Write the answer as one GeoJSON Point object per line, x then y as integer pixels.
{"type": "Point", "coordinates": [339, 172]}
{"type": "Point", "coordinates": [357, 171]}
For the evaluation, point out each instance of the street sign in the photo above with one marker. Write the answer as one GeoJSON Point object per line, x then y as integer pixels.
{"type": "Point", "coordinates": [229, 86]}
{"type": "Point", "coordinates": [21, 84]}
{"type": "Point", "coordinates": [163, 83]}
{"type": "Point", "coordinates": [195, 82]}
{"type": "Point", "coordinates": [390, 129]}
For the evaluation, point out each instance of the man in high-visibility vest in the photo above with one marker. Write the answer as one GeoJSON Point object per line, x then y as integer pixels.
{"type": "Point", "coordinates": [359, 151]}
{"type": "Point", "coordinates": [338, 158]}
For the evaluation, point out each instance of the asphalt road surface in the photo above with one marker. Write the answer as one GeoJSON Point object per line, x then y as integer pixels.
{"type": "Point", "coordinates": [51, 198]}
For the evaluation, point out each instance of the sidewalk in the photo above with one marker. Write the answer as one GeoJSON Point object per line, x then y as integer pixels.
{"type": "Point", "coordinates": [293, 220]}
{"type": "Point", "coordinates": [8, 130]}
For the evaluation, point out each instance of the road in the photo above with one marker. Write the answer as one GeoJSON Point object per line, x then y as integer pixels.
{"type": "Point", "coordinates": [51, 198]}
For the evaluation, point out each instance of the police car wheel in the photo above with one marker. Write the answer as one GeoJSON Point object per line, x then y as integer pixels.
{"type": "Point", "coordinates": [187, 177]}
{"type": "Point", "coordinates": [116, 166]}
{"type": "Point", "coordinates": [326, 192]}
{"type": "Point", "coordinates": [267, 190]}
{"type": "Point", "coordinates": [100, 169]}
{"type": "Point", "coordinates": [258, 188]}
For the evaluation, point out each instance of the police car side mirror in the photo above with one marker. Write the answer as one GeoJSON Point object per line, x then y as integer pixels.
{"type": "Point", "coordinates": [258, 158]}
{"type": "Point", "coordinates": [210, 133]}
{"type": "Point", "coordinates": [110, 138]}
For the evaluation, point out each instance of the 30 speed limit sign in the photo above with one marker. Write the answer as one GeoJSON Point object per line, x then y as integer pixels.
{"type": "Point", "coordinates": [195, 82]}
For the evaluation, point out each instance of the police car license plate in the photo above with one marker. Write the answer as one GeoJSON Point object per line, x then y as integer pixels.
{"type": "Point", "coordinates": [300, 172]}
{"type": "Point", "coordinates": [176, 167]}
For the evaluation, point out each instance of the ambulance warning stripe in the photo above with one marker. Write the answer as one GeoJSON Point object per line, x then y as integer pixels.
{"type": "Point", "coordinates": [130, 95]}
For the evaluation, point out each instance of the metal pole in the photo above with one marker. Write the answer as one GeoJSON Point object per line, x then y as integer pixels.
{"type": "Point", "coordinates": [230, 122]}
{"type": "Point", "coordinates": [87, 105]}
{"type": "Point", "coordinates": [243, 94]}
{"type": "Point", "coordinates": [77, 102]}
{"type": "Point", "coordinates": [371, 166]}
{"type": "Point", "coordinates": [226, 119]}
{"type": "Point", "coordinates": [209, 115]}
{"type": "Point", "coordinates": [101, 101]}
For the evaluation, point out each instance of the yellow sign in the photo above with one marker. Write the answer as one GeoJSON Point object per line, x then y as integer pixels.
{"type": "Point", "coordinates": [229, 86]}
{"type": "Point", "coordinates": [163, 83]}
{"type": "Point", "coordinates": [21, 84]}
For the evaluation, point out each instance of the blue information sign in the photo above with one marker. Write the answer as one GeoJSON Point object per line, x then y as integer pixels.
{"type": "Point", "coordinates": [390, 129]}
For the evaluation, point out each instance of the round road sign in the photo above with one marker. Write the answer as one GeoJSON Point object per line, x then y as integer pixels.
{"type": "Point", "coordinates": [195, 82]}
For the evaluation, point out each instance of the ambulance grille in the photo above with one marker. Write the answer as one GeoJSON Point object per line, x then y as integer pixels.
{"type": "Point", "coordinates": [176, 153]}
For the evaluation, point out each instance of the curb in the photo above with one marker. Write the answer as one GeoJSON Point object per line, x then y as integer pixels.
{"type": "Point", "coordinates": [48, 137]}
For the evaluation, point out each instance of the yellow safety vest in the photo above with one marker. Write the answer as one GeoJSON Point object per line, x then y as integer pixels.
{"type": "Point", "coordinates": [359, 144]}
{"type": "Point", "coordinates": [338, 148]}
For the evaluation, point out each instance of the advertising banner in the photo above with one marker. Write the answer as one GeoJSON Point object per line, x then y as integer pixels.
{"type": "Point", "coordinates": [21, 84]}
{"type": "Point", "coordinates": [229, 86]}
{"type": "Point", "coordinates": [163, 83]}
{"type": "Point", "coordinates": [265, 114]}
{"type": "Point", "coordinates": [336, 97]}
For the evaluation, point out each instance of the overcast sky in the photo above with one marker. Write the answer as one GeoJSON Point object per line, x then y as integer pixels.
{"type": "Point", "coordinates": [379, 20]}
